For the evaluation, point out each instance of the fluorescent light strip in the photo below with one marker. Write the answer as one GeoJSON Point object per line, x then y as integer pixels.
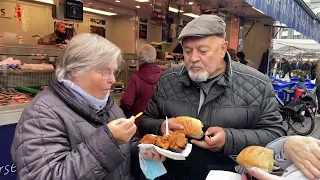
{"type": "Point", "coordinates": [46, 1]}
{"type": "Point", "coordinates": [84, 8]}
{"type": "Point", "coordinates": [191, 15]}
{"type": "Point", "coordinates": [99, 11]}
{"type": "Point", "coordinates": [257, 10]}
{"type": "Point", "coordinates": [174, 10]}
{"type": "Point", "coordinates": [142, 0]}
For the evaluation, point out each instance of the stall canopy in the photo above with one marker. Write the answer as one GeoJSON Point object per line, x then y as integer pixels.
{"type": "Point", "coordinates": [295, 45]}
{"type": "Point", "coordinates": [292, 13]}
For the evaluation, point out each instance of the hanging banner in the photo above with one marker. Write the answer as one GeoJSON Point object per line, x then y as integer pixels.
{"type": "Point", "coordinates": [160, 9]}
{"type": "Point", "coordinates": [290, 13]}
{"type": "Point", "coordinates": [98, 26]}
{"type": "Point", "coordinates": [143, 28]}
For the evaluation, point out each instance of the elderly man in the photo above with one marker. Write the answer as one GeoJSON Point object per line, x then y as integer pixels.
{"type": "Point", "coordinates": [236, 102]}
{"type": "Point", "coordinates": [142, 84]}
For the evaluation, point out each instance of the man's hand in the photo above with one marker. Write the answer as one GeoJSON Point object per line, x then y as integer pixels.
{"type": "Point", "coordinates": [215, 139]}
{"type": "Point", "coordinates": [305, 154]}
{"type": "Point", "coordinates": [260, 175]}
{"type": "Point", "coordinates": [172, 126]}
{"type": "Point", "coordinates": [152, 154]}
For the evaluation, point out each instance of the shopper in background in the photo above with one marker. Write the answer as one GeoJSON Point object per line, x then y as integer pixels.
{"type": "Point", "coordinates": [142, 84]}
{"type": "Point", "coordinates": [286, 67]}
{"type": "Point", "coordinates": [235, 102]}
{"type": "Point", "coordinates": [233, 54]}
{"type": "Point", "coordinates": [73, 129]}
{"type": "Point", "coordinates": [57, 37]}
{"type": "Point", "coordinates": [241, 56]}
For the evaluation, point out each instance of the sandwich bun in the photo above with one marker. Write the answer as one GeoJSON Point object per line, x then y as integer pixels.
{"type": "Point", "coordinates": [192, 127]}
{"type": "Point", "coordinates": [257, 156]}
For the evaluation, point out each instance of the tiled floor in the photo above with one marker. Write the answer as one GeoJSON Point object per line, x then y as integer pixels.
{"type": "Point", "coordinates": [316, 131]}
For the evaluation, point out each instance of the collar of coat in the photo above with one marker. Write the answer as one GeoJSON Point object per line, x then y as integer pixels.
{"type": "Point", "coordinates": [223, 81]}
{"type": "Point", "coordinates": [77, 106]}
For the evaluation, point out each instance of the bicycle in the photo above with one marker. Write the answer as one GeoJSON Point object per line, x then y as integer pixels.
{"type": "Point", "coordinates": [299, 112]}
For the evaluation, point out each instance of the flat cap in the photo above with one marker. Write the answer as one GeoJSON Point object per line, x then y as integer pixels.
{"type": "Point", "coordinates": [205, 25]}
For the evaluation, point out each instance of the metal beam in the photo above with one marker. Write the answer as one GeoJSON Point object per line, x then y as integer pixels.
{"type": "Point", "coordinates": [307, 8]}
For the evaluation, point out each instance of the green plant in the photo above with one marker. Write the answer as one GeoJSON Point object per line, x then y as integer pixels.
{"type": "Point", "coordinates": [299, 73]}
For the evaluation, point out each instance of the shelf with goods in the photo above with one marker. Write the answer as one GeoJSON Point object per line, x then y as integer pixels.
{"type": "Point", "coordinates": [23, 71]}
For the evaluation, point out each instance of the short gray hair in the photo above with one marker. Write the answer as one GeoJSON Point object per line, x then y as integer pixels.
{"type": "Point", "coordinates": [86, 52]}
{"type": "Point", "coordinates": [147, 53]}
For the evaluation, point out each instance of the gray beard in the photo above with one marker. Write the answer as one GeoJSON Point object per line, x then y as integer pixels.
{"type": "Point", "coordinates": [199, 77]}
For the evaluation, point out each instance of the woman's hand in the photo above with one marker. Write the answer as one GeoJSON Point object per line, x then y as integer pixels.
{"type": "Point", "coordinates": [122, 129]}
{"type": "Point", "coordinates": [152, 154]}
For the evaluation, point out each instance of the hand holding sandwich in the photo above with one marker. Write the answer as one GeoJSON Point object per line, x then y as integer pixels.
{"type": "Point", "coordinates": [214, 140]}
{"type": "Point", "coordinates": [172, 126]}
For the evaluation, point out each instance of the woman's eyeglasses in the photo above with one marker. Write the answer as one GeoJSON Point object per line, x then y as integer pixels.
{"type": "Point", "coordinates": [108, 73]}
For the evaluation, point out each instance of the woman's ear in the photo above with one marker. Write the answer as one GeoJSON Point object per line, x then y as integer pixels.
{"type": "Point", "coordinates": [75, 74]}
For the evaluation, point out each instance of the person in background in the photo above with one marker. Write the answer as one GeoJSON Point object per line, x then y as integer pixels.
{"type": "Point", "coordinates": [73, 129]}
{"type": "Point", "coordinates": [298, 155]}
{"type": "Point", "coordinates": [235, 102]}
{"type": "Point", "coordinates": [57, 37]}
{"type": "Point", "coordinates": [286, 67]}
{"type": "Point", "coordinates": [241, 56]}
{"type": "Point", "coordinates": [313, 70]}
{"type": "Point", "coordinates": [142, 84]}
{"type": "Point", "coordinates": [299, 88]}
{"type": "Point", "coordinates": [294, 64]}
{"type": "Point", "coordinates": [233, 55]}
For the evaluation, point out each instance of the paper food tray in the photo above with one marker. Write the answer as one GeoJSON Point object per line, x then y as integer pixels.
{"type": "Point", "coordinates": [278, 172]}
{"type": "Point", "coordinates": [169, 154]}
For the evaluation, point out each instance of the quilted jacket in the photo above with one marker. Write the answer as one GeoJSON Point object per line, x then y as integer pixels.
{"type": "Point", "coordinates": [242, 101]}
{"type": "Point", "coordinates": [59, 138]}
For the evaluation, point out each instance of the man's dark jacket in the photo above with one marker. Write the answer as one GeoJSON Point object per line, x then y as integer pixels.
{"type": "Point", "coordinates": [242, 101]}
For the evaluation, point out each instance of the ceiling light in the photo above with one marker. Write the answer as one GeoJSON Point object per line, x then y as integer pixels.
{"type": "Point", "coordinates": [99, 11]}
{"type": "Point", "coordinates": [138, 7]}
{"type": "Point", "coordinates": [84, 9]}
{"type": "Point", "coordinates": [174, 10]}
{"type": "Point", "coordinates": [111, 8]}
{"type": "Point", "coordinates": [90, 3]}
{"type": "Point", "coordinates": [257, 10]}
{"type": "Point", "coordinates": [190, 3]}
{"type": "Point", "coordinates": [118, 1]}
{"type": "Point", "coordinates": [142, 0]}
{"type": "Point", "coordinates": [191, 15]}
{"type": "Point", "coordinates": [45, 1]}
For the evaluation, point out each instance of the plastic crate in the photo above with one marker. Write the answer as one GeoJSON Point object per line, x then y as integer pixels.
{"type": "Point", "coordinates": [297, 79]}
{"type": "Point", "coordinates": [282, 95]}
{"type": "Point", "coordinates": [30, 78]}
{"type": "Point", "coordinates": [310, 86]}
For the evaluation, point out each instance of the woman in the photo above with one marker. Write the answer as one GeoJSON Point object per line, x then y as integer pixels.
{"type": "Point", "coordinates": [142, 84]}
{"type": "Point", "coordinates": [73, 129]}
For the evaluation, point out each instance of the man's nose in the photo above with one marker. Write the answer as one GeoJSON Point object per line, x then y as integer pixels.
{"type": "Point", "coordinates": [194, 57]}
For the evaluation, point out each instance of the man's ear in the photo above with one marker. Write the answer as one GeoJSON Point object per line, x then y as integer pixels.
{"type": "Point", "coordinates": [224, 48]}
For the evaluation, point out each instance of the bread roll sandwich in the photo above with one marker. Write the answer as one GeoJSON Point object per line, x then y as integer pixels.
{"type": "Point", "coordinates": [192, 126]}
{"type": "Point", "coordinates": [257, 156]}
